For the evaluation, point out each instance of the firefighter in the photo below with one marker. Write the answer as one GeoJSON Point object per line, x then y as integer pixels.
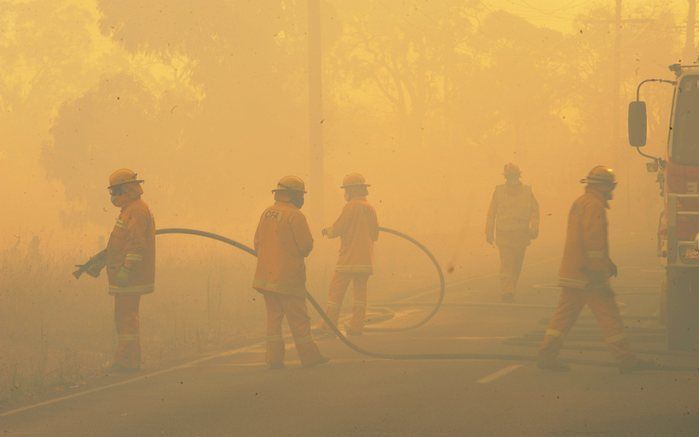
{"type": "Point", "coordinates": [357, 228]}
{"type": "Point", "coordinates": [584, 275]}
{"type": "Point", "coordinates": [282, 242]}
{"type": "Point", "coordinates": [130, 262]}
{"type": "Point", "coordinates": [512, 222]}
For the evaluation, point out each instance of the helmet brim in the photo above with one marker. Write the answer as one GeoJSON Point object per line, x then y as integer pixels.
{"type": "Point", "coordinates": [354, 185]}
{"type": "Point", "coordinates": [277, 190]}
{"type": "Point", "coordinates": [597, 182]}
{"type": "Point", "coordinates": [135, 181]}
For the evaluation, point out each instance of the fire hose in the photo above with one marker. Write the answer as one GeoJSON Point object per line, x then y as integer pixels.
{"type": "Point", "coordinates": [397, 356]}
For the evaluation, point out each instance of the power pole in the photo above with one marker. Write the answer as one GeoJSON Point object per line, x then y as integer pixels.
{"type": "Point", "coordinates": [315, 112]}
{"type": "Point", "coordinates": [616, 110]}
{"type": "Point", "coordinates": [689, 46]}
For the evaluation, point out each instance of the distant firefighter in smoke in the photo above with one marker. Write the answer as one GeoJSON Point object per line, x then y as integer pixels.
{"type": "Point", "coordinates": [512, 222]}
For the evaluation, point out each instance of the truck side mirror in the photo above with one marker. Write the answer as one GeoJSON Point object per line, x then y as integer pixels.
{"type": "Point", "coordinates": [637, 123]}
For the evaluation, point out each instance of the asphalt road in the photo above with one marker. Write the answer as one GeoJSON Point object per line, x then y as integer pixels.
{"type": "Point", "coordinates": [232, 393]}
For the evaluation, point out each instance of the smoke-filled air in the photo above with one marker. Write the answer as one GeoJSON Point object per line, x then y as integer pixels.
{"type": "Point", "coordinates": [349, 217]}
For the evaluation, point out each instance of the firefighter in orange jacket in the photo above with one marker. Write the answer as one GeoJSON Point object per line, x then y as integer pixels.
{"type": "Point", "coordinates": [512, 222]}
{"type": "Point", "coordinates": [357, 227]}
{"type": "Point", "coordinates": [282, 242]}
{"type": "Point", "coordinates": [584, 277]}
{"type": "Point", "coordinates": [130, 262]}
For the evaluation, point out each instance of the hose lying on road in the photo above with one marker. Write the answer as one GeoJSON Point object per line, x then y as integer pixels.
{"type": "Point", "coordinates": [440, 274]}
{"type": "Point", "coordinates": [395, 356]}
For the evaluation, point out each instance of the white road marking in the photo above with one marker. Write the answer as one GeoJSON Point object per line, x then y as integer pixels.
{"type": "Point", "coordinates": [499, 374]}
{"type": "Point", "coordinates": [132, 380]}
{"type": "Point", "coordinates": [295, 363]}
{"type": "Point", "coordinates": [469, 338]}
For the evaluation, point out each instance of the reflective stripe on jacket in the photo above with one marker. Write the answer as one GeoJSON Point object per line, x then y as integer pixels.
{"type": "Point", "coordinates": [132, 245]}
{"type": "Point", "coordinates": [358, 229]}
{"type": "Point", "coordinates": [282, 241]}
{"type": "Point", "coordinates": [586, 263]}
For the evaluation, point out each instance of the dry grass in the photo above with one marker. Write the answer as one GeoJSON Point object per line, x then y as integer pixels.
{"type": "Point", "coordinates": [56, 331]}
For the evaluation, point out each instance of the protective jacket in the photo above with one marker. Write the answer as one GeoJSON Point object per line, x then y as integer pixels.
{"type": "Point", "coordinates": [358, 229]}
{"type": "Point", "coordinates": [132, 246]}
{"type": "Point", "coordinates": [586, 264]}
{"type": "Point", "coordinates": [513, 216]}
{"type": "Point", "coordinates": [282, 241]}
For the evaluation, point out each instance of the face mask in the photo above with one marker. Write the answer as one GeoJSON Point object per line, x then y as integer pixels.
{"type": "Point", "coordinates": [298, 201]}
{"type": "Point", "coordinates": [119, 200]}
{"type": "Point", "coordinates": [607, 191]}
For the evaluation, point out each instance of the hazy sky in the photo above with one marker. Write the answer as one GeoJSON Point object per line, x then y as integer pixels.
{"type": "Point", "coordinates": [560, 14]}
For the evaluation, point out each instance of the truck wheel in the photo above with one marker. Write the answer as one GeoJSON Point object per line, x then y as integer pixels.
{"type": "Point", "coordinates": [682, 308]}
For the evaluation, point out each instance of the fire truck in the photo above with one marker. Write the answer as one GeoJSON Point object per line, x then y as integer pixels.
{"type": "Point", "coordinates": [678, 177]}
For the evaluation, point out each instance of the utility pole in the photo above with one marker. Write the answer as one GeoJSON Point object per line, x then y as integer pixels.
{"type": "Point", "coordinates": [315, 112]}
{"type": "Point", "coordinates": [689, 46]}
{"type": "Point", "coordinates": [616, 109]}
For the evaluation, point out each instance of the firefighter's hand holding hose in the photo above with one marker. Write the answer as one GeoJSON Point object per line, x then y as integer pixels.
{"type": "Point", "coordinates": [93, 266]}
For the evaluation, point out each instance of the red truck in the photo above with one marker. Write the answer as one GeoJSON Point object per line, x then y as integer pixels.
{"type": "Point", "coordinates": [679, 180]}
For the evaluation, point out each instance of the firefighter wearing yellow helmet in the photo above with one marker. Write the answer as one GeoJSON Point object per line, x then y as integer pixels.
{"type": "Point", "coordinates": [585, 271]}
{"type": "Point", "coordinates": [357, 228]}
{"type": "Point", "coordinates": [512, 222]}
{"type": "Point", "coordinates": [130, 262]}
{"type": "Point", "coordinates": [283, 241]}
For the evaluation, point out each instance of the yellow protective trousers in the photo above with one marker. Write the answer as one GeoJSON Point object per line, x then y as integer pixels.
{"type": "Point", "coordinates": [511, 260]}
{"type": "Point", "coordinates": [292, 307]}
{"type": "Point", "coordinates": [603, 306]}
{"type": "Point", "coordinates": [338, 288]}
{"type": "Point", "coordinates": [128, 349]}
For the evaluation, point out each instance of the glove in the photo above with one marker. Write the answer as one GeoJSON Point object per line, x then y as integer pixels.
{"type": "Point", "coordinates": [122, 277]}
{"type": "Point", "coordinates": [614, 271]}
{"type": "Point", "coordinates": [596, 276]}
{"type": "Point", "coordinates": [94, 270]}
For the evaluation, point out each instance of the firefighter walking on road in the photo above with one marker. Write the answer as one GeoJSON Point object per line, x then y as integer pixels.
{"type": "Point", "coordinates": [130, 263]}
{"type": "Point", "coordinates": [282, 242]}
{"type": "Point", "coordinates": [585, 271]}
{"type": "Point", "coordinates": [512, 222]}
{"type": "Point", "coordinates": [357, 228]}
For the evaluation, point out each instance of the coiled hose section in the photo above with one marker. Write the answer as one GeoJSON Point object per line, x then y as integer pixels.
{"type": "Point", "coordinates": [440, 274]}
{"type": "Point", "coordinates": [397, 356]}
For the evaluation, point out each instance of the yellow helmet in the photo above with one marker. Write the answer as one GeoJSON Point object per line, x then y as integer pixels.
{"type": "Point", "coordinates": [354, 180]}
{"type": "Point", "coordinates": [123, 176]}
{"type": "Point", "coordinates": [600, 174]}
{"type": "Point", "coordinates": [290, 183]}
{"type": "Point", "coordinates": [511, 170]}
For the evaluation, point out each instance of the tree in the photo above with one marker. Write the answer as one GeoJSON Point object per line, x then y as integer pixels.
{"type": "Point", "coordinates": [404, 54]}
